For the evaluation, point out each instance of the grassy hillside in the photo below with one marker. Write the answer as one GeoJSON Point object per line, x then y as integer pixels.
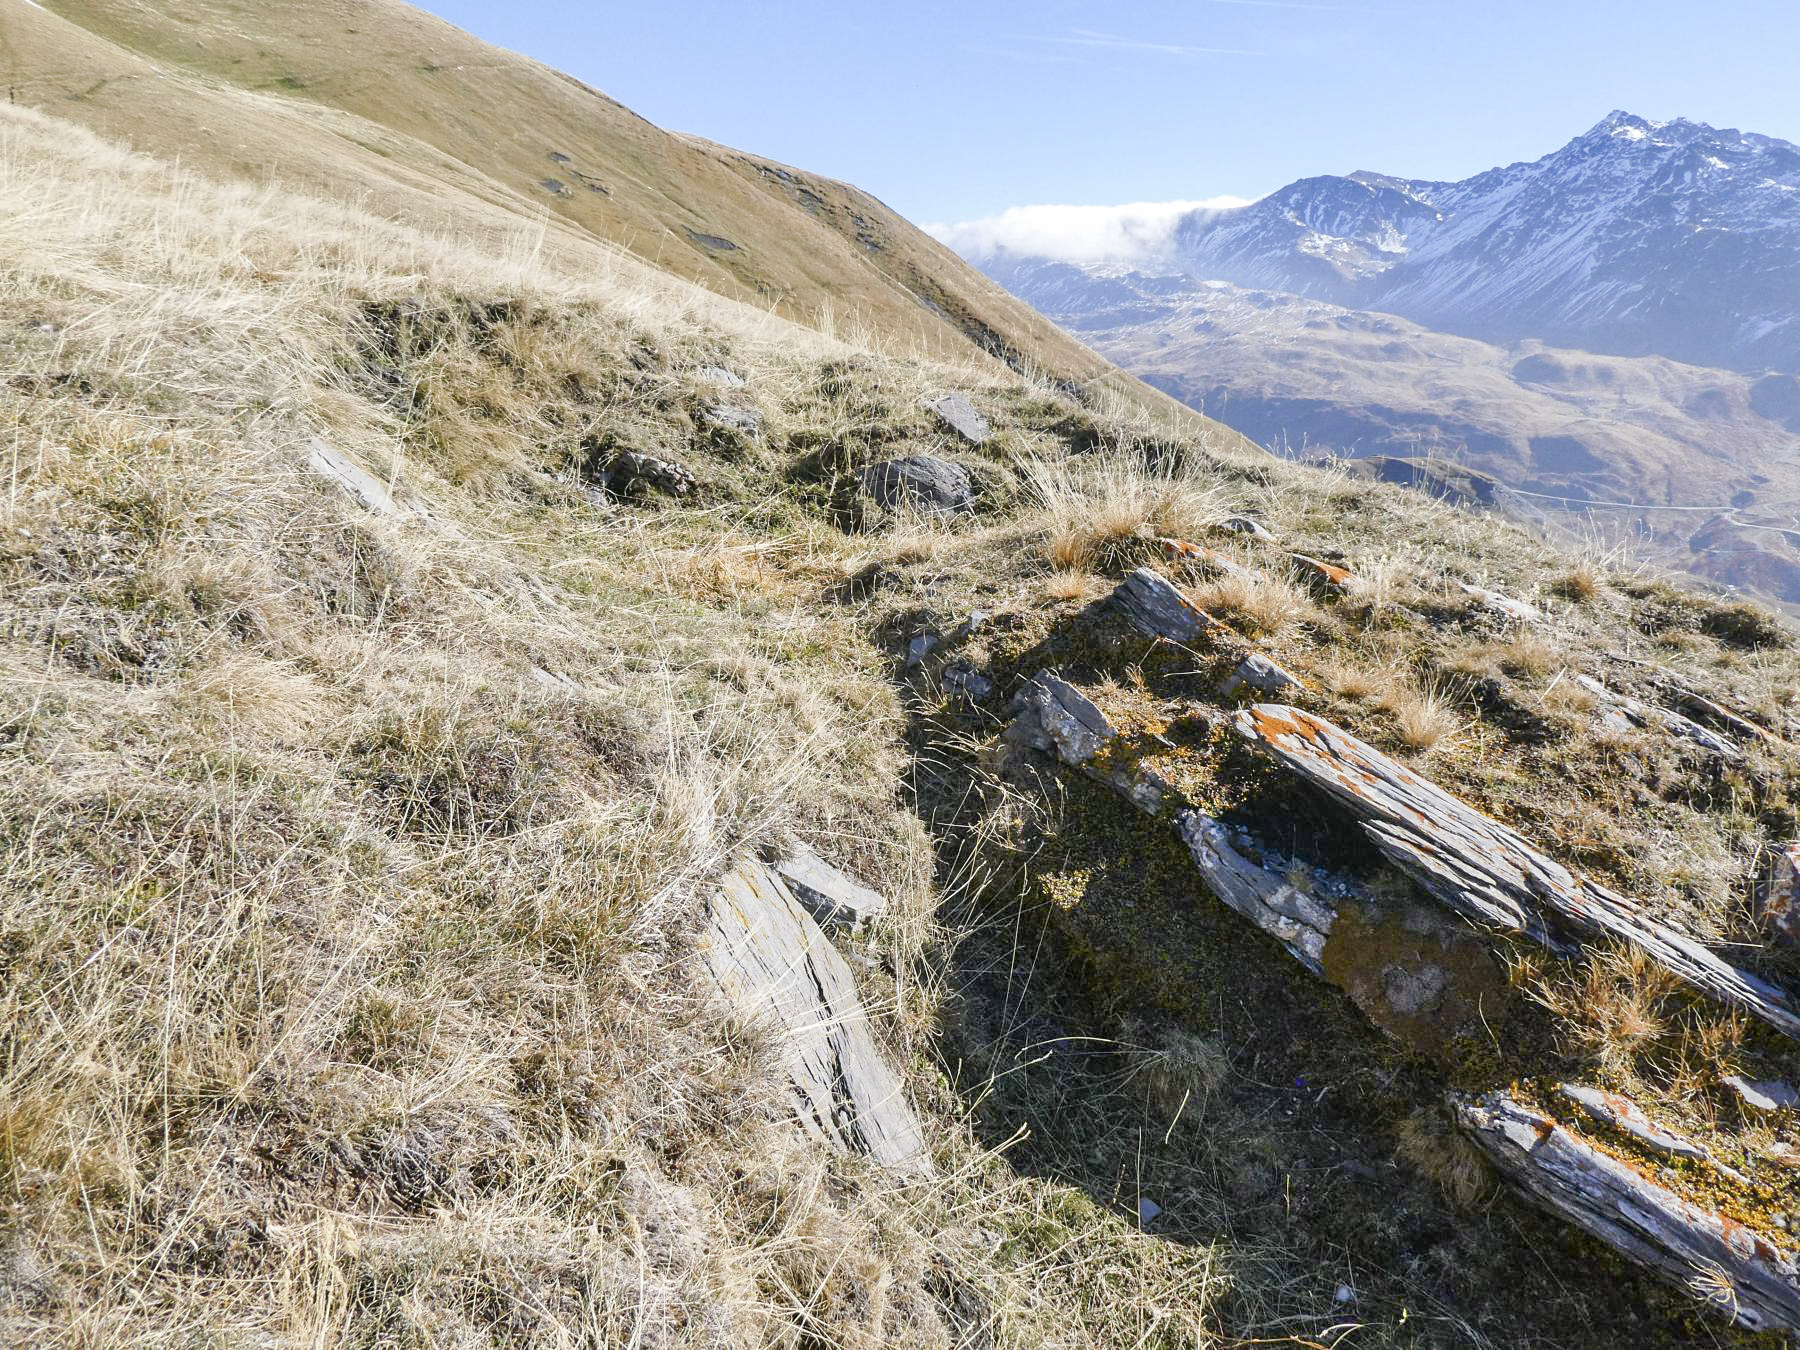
{"type": "Point", "coordinates": [355, 846]}
{"type": "Point", "coordinates": [385, 105]}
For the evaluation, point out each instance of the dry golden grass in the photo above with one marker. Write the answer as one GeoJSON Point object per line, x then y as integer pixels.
{"type": "Point", "coordinates": [1582, 584]}
{"type": "Point", "coordinates": [350, 863]}
{"type": "Point", "coordinates": [1259, 603]}
{"type": "Point", "coordinates": [1104, 511]}
{"type": "Point", "coordinates": [1614, 1004]}
{"type": "Point", "coordinates": [1423, 717]}
{"type": "Point", "coordinates": [1065, 586]}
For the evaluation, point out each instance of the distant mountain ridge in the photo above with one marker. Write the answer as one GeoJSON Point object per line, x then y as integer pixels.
{"type": "Point", "coordinates": [1637, 238]}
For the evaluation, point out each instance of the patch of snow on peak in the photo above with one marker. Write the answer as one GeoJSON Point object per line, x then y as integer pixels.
{"type": "Point", "coordinates": [1136, 233]}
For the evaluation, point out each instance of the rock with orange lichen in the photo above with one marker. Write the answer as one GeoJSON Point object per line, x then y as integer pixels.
{"type": "Point", "coordinates": [1327, 574]}
{"type": "Point", "coordinates": [1488, 872]}
{"type": "Point", "coordinates": [1744, 1273]}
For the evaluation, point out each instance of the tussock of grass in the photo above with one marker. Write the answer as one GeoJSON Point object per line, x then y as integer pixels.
{"type": "Point", "coordinates": [1104, 511]}
{"type": "Point", "coordinates": [1260, 603]}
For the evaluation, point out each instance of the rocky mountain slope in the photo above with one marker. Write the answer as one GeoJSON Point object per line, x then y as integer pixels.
{"type": "Point", "coordinates": [542, 804]}
{"type": "Point", "coordinates": [1637, 238]}
{"type": "Point", "coordinates": [1697, 469]}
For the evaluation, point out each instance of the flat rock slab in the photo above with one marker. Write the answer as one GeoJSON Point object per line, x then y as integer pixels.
{"type": "Point", "coordinates": [1488, 872]}
{"type": "Point", "coordinates": [831, 896]}
{"type": "Point", "coordinates": [922, 482]}
{"type": "Point", "coordinates": [1765, 1097]}
{"type": "Point", "coordinates": [1743, 1273]}
{"type": "Point", "coordinates": [1627, 1117]}
{"type": "Point", "coordinates": [1644, 715]}
{"type": "Point", "coordinates": [1327, 574]}
{"type": "Point", "coordinates": [1419, 974]}
{"type": "Point", "coordinates": [1200, 556]}
{"type": "Point", "coordinates": [1154, 606]}
{"type": "Point", "coordinates": [1265, 676]}
{"type": "Point", "coordinates": [746, 420]}
{"type": "Point", "coordinates": [354, 480]}
{"type": "Point", "coordinates": [961, 416]}
{"type": "Point", "coordinates": [771, 960]}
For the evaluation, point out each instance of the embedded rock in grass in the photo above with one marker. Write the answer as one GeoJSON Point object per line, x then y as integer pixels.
{"type": "Point", "coordinates": [1420, 976]}
{"type": "Point", "coordinates": [1503, 605]}
{"type": "Point", "coordinates": [1258, 672]}
{"type": "Point", "coordinates": [1329, 575]}
{"type": "Point", "coordinates": [1154, 606]}
{"type": "Point", "coordinates": [1627, 1117]}
{"type": "Point", "coordinates": [772, 961]}
{"type": "Point", "coordinates": [1644, 715]}
{"type": "Point", "coordinates": [832, 897]}
{"type": "Point", "coordinates": [1199, 555]}
{"type": "Point", "coordinates": [961, 416]}
{"type": "Point", "coordinates": [1764, 1097]}
{"type": "Point", "coordinates": [922, 482]}
{"type": "Point", "coordinates": [1778, 898]}
{"type": "Point", "coordinates": [1708, 1254]}
{"type": "Point", "coordinates": [720, 375]}
{"type": "Point", "coordinates": [357, 482]}
{"type": "Point", "coordinates": [1244, 525]}
{"type": "Point", "coordinates": [1487, 872]}
{"type": "Point", "coordinates": [745, 420]}
{"type": "Point", "coordinates": [628, 472]}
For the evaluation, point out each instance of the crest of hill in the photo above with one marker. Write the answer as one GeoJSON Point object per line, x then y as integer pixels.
{"type": "Point", "coordinates": [415, 119]}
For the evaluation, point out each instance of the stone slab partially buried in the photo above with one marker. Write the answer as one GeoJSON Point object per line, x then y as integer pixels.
{"type": "Point", "coordinates": [773, 962]}
{"type": "Point", "coordinates": [921, 482]}
{"type": "Point", "coordinates": [832, 897]}
{"type": "Point", "coordinates": [961, 416]}
{"type": "Point", "coordinates": [369, 491]}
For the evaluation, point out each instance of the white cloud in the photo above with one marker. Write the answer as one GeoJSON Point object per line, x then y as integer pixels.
{"type": "Point", "coordinates": [1137, 233]}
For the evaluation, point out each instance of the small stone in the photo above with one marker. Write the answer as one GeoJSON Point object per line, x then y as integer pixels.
{"type": "Point", "coordinates": [1767, 1096]}
{"type": "Point", "coordinates": [919, 648]}
{"type": "Point", "coordinates": [1148, 1209]}
{"type": "Point", "coordinates": [831, 896]}
{"type": "Point", "coordinates": [1778, 898]}
{"type": "Point", "coordinates": [1626, 1116]}
{"type": "Point", "coordinates": [1337, 578]}
{"type": "Point", "coordinates": [1244, 525]}
{"type": "Point", "coordinates": [746, 420]}
{"type": "Point", "coordinates": [1503, 605]}
{"type": "Point", "coordinates": [628, 469]}
{"type": "Point", "coordinates": [964, 679]}
{"type": "Point", "coordinates": [1258, 672]}
{"type": "Point", "coordinates": [962, 417]}
{"type": "Point", "coordinates": [923, 482]}
{"type": "Point", "coordinates": [1344, 1294]}
{"type": "Point", "coordinates": [723, 375]}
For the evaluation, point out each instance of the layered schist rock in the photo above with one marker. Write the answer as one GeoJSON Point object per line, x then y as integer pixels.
{"type": "Point", "coordinates": [772, 962]}
{"type": "Point", "coordinates": [1422, 964]}
{"type": "Point", "coordinates": [1414, 972]}
{"type": "Point", "coordinates": [1488, 872]}
{"type": "Point", "coordinates": [1745, 1273]}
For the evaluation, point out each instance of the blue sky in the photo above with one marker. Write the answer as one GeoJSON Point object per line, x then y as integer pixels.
{"type": "Point", "coordinates": [955, 111]}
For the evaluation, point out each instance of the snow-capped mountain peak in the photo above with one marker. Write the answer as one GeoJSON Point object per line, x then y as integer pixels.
{"type": "Point", "coordinates": [1638, 236]}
